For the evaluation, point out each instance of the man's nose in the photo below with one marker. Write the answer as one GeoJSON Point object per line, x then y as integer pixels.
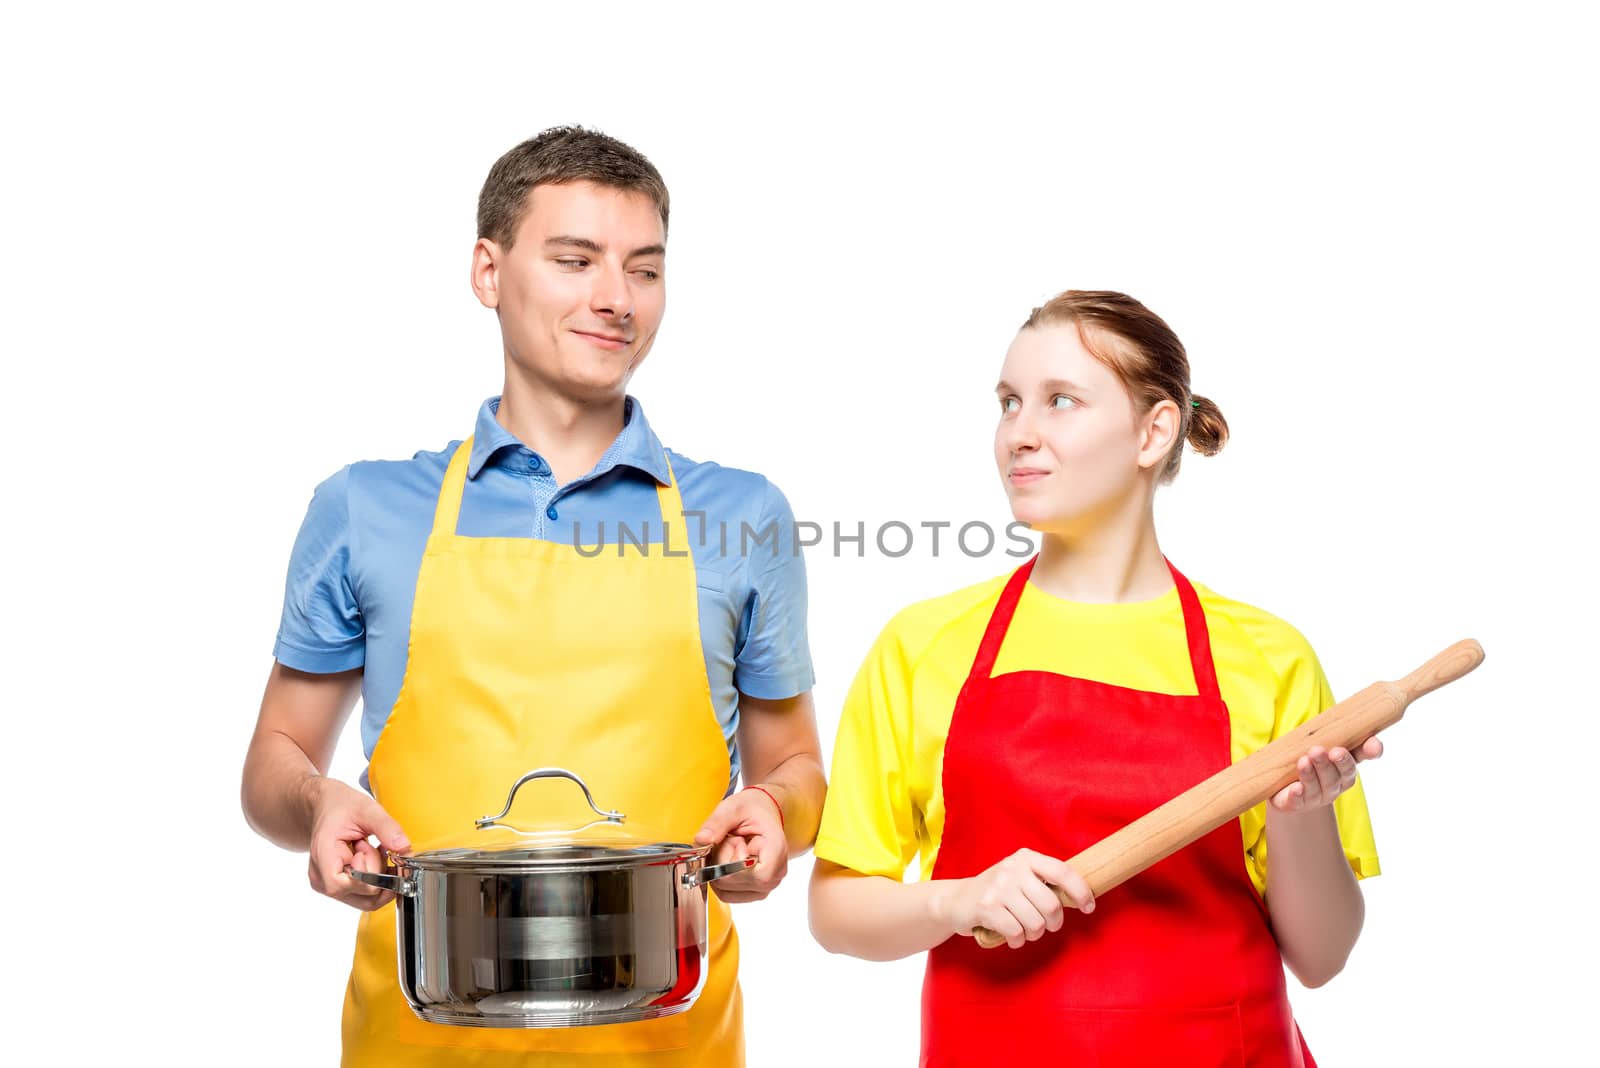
{"type": "Point", "coordinates": [611, 296]}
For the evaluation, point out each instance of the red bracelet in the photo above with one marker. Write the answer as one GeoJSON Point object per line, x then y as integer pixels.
{"type": "Point", "coordinates": [774, 800]}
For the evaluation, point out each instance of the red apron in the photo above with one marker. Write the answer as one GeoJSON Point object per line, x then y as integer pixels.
{"type": "Point", "coordinates": [1176, 966]}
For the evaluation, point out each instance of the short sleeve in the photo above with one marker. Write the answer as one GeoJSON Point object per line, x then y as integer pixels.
{"type": "Point", "coordinates": [321, 629]}
{"type": "Point", "coordinates": [869, 823]}
{"type": "Point", "coordinates": [772, 658]}
{"type": "Point", "coordinates": [1303, 692]}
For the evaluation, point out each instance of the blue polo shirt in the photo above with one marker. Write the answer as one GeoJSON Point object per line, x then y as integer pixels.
{"type": "Point", "coordinates": [353, 571]}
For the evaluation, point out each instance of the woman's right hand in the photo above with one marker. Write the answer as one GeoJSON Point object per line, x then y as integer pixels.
{"type": "Point", "coordinates": [344, 817]}
{"type": "Point", "coordinates": [1015, 898]}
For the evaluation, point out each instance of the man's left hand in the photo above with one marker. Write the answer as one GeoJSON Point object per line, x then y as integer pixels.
{"type": "Point", "coordinates": [746, 824]}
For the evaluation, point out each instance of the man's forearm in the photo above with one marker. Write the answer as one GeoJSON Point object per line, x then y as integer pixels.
{"type": "Point", "coordinates": [279, 791]}
{"type": "Point", "coordinates": [799, 786]}
{"type": "Point", "coordinates": [1316, 906]}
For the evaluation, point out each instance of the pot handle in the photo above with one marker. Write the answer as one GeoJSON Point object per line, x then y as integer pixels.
{"type": "Point", "coordinates": [700, 877]}
{"type": "Point", "coordinates": [546, 773]}
{"type": "Point", "coordinates": [395, 884]}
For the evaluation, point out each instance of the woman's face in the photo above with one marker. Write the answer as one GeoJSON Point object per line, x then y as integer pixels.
{"type": "Point", "coordinates": [1071, 449]}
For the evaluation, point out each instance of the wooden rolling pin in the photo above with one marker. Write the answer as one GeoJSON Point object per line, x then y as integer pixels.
{"type": "Point", "coordinates": [1240, 787]}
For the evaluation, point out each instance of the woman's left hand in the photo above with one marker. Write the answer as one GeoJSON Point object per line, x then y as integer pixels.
{"type": "Point", "coordinates": [1324, 775]}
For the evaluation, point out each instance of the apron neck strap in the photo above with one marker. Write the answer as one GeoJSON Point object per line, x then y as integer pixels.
{"type": "Point", "coordinates": [999, 621]}
{"type": "Point", "coordinates": [1194, 626]}
{"type": "Point", "coordinates": [671, 502]}
{"type": "Point", "coordinates": [447, 512]}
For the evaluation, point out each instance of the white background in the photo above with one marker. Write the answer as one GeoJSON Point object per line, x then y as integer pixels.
{"type": "Point", "coordinates": [235, 259]}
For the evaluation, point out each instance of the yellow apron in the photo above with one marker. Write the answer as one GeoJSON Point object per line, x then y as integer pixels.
{"type": "Point", "coordinates": [525, 653]}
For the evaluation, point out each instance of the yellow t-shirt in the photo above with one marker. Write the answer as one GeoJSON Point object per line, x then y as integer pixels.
{"type": "Point", "coordinates": [885, 801]}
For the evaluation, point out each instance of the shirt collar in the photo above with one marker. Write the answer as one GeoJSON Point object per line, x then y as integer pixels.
{"type": "Point", "coordinates": [637, 446]}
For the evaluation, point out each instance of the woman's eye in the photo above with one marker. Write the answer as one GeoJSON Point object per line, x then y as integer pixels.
{"type": "Point", "coordinates": [1009, 405]}
{"type": "Point", "coordinates": [1061, 402]}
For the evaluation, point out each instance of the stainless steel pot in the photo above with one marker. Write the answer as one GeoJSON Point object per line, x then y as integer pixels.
{"type": "Point", "coordinates": [514, 928]}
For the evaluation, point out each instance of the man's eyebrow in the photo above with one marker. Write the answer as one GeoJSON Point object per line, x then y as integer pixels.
{"type": "Point", "coordinates": [570, 241]}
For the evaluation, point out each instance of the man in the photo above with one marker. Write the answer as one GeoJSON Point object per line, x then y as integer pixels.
{"type": "Point", "coordinates": [462, 595]}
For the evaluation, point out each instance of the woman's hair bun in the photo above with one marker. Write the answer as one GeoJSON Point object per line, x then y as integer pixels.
{"type": "Point", "coordinates": [1208, 431]}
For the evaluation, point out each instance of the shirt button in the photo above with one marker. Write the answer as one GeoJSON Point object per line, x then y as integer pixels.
{"type": "Point", "coordinates": [536, 465]}
{"type": "Point", "coordinates": [551, 511]}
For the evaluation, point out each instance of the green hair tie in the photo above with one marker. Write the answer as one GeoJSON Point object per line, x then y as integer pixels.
{"type": "Point", "coordinates": [1194, 404]}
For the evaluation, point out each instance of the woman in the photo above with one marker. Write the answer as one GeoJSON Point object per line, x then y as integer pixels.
{"type": "Point", "coordinates": [1003, 727]}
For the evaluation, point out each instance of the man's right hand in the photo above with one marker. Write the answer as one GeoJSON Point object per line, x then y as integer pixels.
{"type": "Point", "coordinates": [343, 818]}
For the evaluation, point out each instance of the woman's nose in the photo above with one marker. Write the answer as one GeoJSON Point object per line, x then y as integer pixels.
{"type": "Point", "coordinates": [1021, 435]}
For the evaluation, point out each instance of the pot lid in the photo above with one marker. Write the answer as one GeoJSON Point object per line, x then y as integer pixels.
{"type": "Point", "coordinates": [609, 840]}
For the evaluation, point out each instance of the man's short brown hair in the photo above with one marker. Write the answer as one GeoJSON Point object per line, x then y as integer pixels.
{"type": "Point", "coordinates": [559, 155]}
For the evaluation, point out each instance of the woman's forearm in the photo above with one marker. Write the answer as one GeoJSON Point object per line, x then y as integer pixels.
{"type": "Point", "coordinates": [1313, 898]}
{"type": "Point", "coordinates": [875, 918]}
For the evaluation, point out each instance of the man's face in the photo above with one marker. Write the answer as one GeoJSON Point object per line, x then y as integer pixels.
{"type": "Point", "coordinates": [582, 290]}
